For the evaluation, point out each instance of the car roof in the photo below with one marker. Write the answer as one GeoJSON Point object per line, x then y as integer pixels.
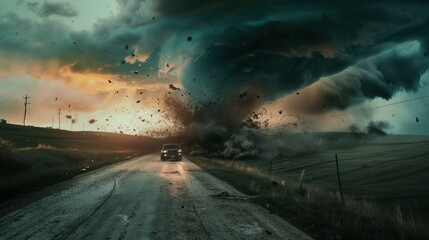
{"type": "Point", "coordinates": [171, 144]}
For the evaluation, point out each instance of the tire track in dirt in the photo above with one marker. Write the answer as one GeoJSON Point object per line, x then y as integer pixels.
{"type": "Point", "coordinates": [78, 222]}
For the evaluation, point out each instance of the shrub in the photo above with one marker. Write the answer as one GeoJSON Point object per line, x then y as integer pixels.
{"type": "Point", "coordinates": [6, 154]}
{"type": "Point", "coordinates": [8, 163]}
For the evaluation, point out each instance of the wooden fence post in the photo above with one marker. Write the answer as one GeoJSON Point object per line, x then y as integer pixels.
{"type": "Point", "coordinates": [339, 179]}
{"type": "Point", "coordinates": [271, 164]}
{"type": "Point", "coordinates": [300, 182]}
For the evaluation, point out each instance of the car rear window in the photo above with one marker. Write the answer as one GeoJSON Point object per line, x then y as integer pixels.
{"type": "Point", "coordinates": [171, 146]}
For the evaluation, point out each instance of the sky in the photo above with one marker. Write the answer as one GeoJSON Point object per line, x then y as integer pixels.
{"type": "Point", "coordinates": [142, 67]}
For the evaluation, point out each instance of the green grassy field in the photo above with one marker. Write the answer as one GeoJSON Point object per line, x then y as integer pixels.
{"type": "Point", "coordinates": [384, 178]}
{"type": "Point", "coordinates": [391, 168]}
{"type": "Point", "coordinates": [32, 158]}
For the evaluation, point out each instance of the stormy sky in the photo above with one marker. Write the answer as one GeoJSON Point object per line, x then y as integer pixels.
{"type": "Point", "coordinates": [297, 65]}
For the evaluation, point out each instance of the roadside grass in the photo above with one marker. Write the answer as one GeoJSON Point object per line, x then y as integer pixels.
{"type": "Point", "coordinates": [43, 167]}
{"type": "Point", "coordinates": [317, 211]}
{"type": "Point", "coordinates": [32, 158]}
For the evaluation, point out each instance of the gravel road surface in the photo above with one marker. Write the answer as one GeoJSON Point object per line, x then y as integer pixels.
{"type": "Point", "coordinates": [143, 198]}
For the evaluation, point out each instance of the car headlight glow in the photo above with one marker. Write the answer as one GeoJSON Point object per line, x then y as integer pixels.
{"type": "Point", "coordinates": [164, 151]}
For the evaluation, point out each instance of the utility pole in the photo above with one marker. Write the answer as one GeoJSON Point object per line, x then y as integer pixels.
{"type": "Point", "coordinates": [25, 107]}
{"type": "Point", "coordinates": [59, 118]}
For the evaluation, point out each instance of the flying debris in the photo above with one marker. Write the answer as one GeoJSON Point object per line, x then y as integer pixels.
{"type": "Point", "coordinates": [126, 46]}
{"type": "Point", "coordinates": [110, 81]}
{"type": "Point", "coordinates": [73, 121]}
{"type": "Point", "coordinates": [68, 116]}
{"type": "Point", "coordinates": [242, 95]}
{"type": "Point", "coordinates": [172, 87]}
{"type": "Point", "coordinates": [281, 112]}
{"type": "Point", "coordinates": [417, 119]}
{"type": "Point", "coordinates": [189, 38]}
{"type": "Point", "coordinates": [56, 99]}
{"type": "Point", "coordinates": [123, 62]}
{"type": "Point", "coordinates": [138, 101]}
{"type": "Point", "coordinates": [136, 72]}
{"type": "Point", "coordinates": [92, 121]}
{"type": "Point", "coordinates": [69, 105]}
{"type": "Point", "coordinates": [297, 93]}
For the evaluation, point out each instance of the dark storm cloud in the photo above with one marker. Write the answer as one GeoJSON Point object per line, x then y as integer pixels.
{"type": "Point", "coordinates": [275, 46]}
{"type": "Point", "coordinates": [282, 54]}
{"type": "Point", "coordinates": [381, 75]}
{"type": "Point", "coordinates": [232, 56]}
{"type": "Point", "coordinates": [47, 9]}
{"type": "Point", "coordinates": [26, 41]}
{"type": "Point", "coordinates": [261, 55]}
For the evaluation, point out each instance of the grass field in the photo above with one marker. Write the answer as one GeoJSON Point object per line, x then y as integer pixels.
{"type": "Point", "coordinates": [32, 158]}
{"type": "Point", "coordinates": [391, 168]}
{"type": "Point", "coordinates": [384, 178]}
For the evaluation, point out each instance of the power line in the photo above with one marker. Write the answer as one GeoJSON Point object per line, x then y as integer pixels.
{"type": "Point", "coordinates": [371, 108]}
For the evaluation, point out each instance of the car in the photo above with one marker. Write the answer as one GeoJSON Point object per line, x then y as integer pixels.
{"type": "Point", "coordinates": [171, 151]}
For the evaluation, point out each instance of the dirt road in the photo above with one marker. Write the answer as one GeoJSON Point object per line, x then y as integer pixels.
{"type": "Point", "coordinates": [144, 199]}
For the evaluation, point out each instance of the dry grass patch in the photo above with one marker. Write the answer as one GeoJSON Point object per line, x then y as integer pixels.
{"type": "Point", "coordinates": [317, 211]}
